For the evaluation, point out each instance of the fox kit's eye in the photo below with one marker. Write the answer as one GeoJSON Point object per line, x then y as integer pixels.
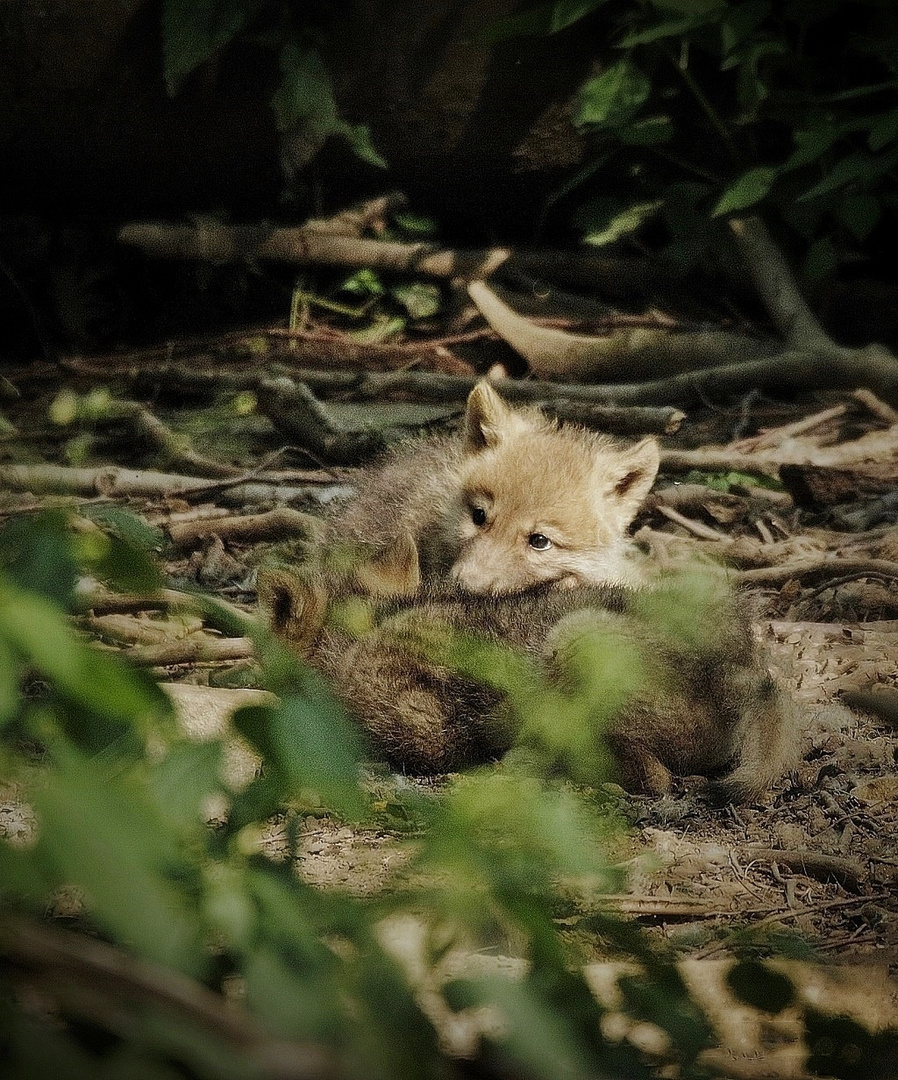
{"type": "Point", "coordinates": [539, 542]}
{"type": "Point", "coordinates": [478, 515]}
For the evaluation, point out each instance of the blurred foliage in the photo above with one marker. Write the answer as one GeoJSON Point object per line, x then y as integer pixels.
{"type": "Point", "coordinates": [732, 480]}
{"type": "Point", "coordinates": [195, 31]}
{"type": "Point", "coordinates": [365, 305]}
{"type": "Point", "coordinates": [119, 795]}
{"type": "Point", "coordinates": [719, 107]}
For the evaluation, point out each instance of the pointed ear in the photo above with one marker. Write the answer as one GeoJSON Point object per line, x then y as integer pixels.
{"type": "Point", "coordinates": [294, 605]}
{"type": "Point", "coordinates": [395, 572]}
{"type": "Point", "coordinates": [487, 418]}
{"type": "Point", "coordinates": [637, 468]}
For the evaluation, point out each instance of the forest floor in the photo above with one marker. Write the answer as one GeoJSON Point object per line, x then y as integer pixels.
{"type": "Point", "coordinates": [819, 554]}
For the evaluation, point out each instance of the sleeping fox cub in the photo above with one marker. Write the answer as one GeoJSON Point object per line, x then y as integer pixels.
{"type": "Point", "coordinates": [472, 536]}
{"type": "Point", "coordinates": [701, 703]}
{"type": "Point", "coordinates": [514, 501]}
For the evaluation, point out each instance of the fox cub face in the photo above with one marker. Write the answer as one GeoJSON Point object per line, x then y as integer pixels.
{"type": "Point", "coordinates": [541, 503]}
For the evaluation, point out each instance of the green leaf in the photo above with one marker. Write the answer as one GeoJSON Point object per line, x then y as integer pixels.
{"type": "Point", "coordinates": [106, 685]}
{"type": "Point", "coordinates": [739, 22]}
{"type": "Point", "coordinates": [184, 778]}
{"type": "Point", "coordinates": [311, 744]}
{"type": "Point", "coordinates": [860, 214]}
{"type": "Point", "coordinates": [193, 30]}
{"type": "Point", "coordinates": [688, 608]}
{"type": "Point", "coordinates": [364, 282]}
{"type": "Point", "coordinates": [305, 101]}
{"type": "Point", "coordinates": [123, 565]}
{"type": "Point", "coordinates": [535, 20]}
{"type": "Point", "coordinates": [821, 259]}
{"type": "Point", "coordinates": [21, 877]}
{"type": "Point", "coordinates": [228, 905]}
{"type": "Point", "coordinates": [291, 975]}
{"type": "Point", "coordinates": [667, 28]}
{"type": "Point", "coordinates": [622, 224]}
{"type": "Point", "coordinates": [647, 131]}
{"type": "Point", "coordinates": [416, 224]}
{"type": "Point", "coordinates": [379, 330]}
{"type": "Point", "coordinates": [359, 137]}
{"type": "Point", "coordinates": [293, 1000]}
{"type": "Point", "coordinates": [535, 1033]}
{"type": "Point", "coordinates": [812, 143]}
{"type": "Point", "coordinates": [419, 299]}
{"type": "Point", "coordinates": [127, 526]}
{"type": "Point", "coordinates": [760, 986]}
{"type": "Point", "coordinates": [883, 130]}
{"type": "Point", "coordinates": [9, 684]}
{"type": "Point", "coordinates": [752, 86]}
{"type": "Point", "coordinates": [726, 481]}
{"type": "Point", "coordinates": [614, 97]}
{"type": "Point", "coordinates": [566, 12]}
{"type": "Point", "coordinates": [748, 190]}
{"type": "Point", "coordinates": [508, 831]}
{"type": "Point", "coordinates": [851, 169]}
{"type": "Point", "coordinates": [105, 837]}
{"type": "Point", "coordinates": [38, 555]}
{"type": "Point", "coordinates": [305, 94]}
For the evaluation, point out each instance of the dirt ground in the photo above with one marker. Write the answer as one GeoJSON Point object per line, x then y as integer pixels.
{"type": "Point", "coordinates": [820, 857]}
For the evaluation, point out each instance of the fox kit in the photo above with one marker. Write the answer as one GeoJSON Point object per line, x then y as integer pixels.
{"type": "Point", "coordinates": [514, 501]}
{"type": "Point", "coordinates": [703, 706]}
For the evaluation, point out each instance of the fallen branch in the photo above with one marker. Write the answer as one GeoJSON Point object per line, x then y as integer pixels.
{"type": "Point", "coordinates": [872, 367]}
{"type": "Point", "coordinates": [192, 650]}
{"type": "Point", "coordinates": [811, 569]}
{"type": "Point", "coordinates": [574, 402]}
{"type": "Point", "coordinates": [776, 436]}
{"type": "Point", "coordinates": [370, 214]}
{"type": "Point", "coordinates": [776, 287]}
{"type": "Point", "coordinates": [249, 348]}
{"type": "Point", "coordinates": [816, 485]}
{"type": "Point", "coordinates": [115, 482]}
{"type": "Point", "coordinates": [692, 497]}
{"type": "Point", "coordinates": [147, 427]}
{"type": "Point", "coordinates": [718, 459]}
{"type": "Point", "coordinates": [848, 872]}
{"type": "Point", "coordinates": [879, 408]}
{"type": "Point", "coordinates": [624, 353]}
{"type": "Point", "coordinates": [126, 630]}
{"type": "Point", "coordinates": [633, 420]}
{"type": "Point", "coordinates": [215, 613]}
{"type": "Point", "coordinates": [294, 410]}
{"type": "Point", "coordinates": [274, 525]}
{"type": "Point", "coordinates": [304, 246]}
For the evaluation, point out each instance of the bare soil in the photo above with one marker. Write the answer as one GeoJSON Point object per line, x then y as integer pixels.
{"type": "Point", "coordinates": [819, 859]}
